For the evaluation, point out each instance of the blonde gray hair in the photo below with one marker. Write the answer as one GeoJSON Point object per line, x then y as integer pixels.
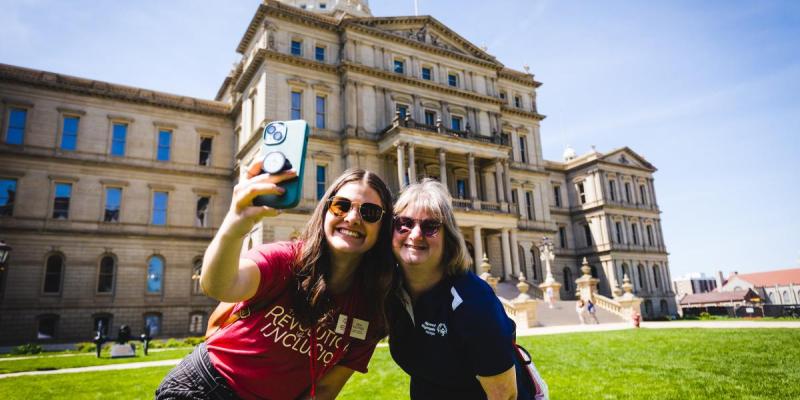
{"type": "Point", "coordinates": [433, 198]}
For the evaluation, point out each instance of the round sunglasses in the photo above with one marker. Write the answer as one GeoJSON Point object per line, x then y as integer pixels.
{"type": "Point", "coordinates": [340, 206]}
{"type": "Point", "coordinates": [429, 227]}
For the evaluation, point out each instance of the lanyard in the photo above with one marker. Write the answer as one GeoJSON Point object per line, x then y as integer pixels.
{"type": "Point", "coordinates": [338, 353]}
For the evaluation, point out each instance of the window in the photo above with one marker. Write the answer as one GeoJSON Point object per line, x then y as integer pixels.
{"type": "Point", "coordinates": [786, 299]}
{"type": "Point", "coordinates": [430, 117]}
{"type": "Point", "coordinates": [567, 280]}
{"type": "Point", "coordinates": [402, 110]}
{"type": "Point", "coordinates": [297, 48]}
{"type": "Point", "coordinates": [205, 151]}
{"type": "Point", "coordinates": [321, 180]}
{"type": "Point", "coordinates": [772, 298]}
{"type": "Point", "coordinates": [640, 271]}
{"type": "Point", "coordinates": [529, 205]}
{"type": "Point", "coordinates": [503, 95]}
{"type": "Point", "coordinates": [587, 232]}
{"type": "Point", "coordinates": [53, 274]}
{"type": "Point", "coordinates": [8, 192]}
{"type": "Point", "coordinates": [426, 73]}
{"type": "Point", "coordinates": [251, 101]}
{"type": "Point", "coordinates": [120, 131]}
{"type": "Point", "coordinates": [105, 277]}
{"type": "Point", "coordinates": [649, 235]}
{"type": "Point", "coordinates": [618, 227]}
{"type": "Point", "coordinates": [514, 199]}
{"type": "Point", "coordinates": [642, 194]}
{"type": "Point", "coordinates": [61, 200]}
{"type": "Point", "coordinates": [634, 234]}
{"type": "Point", "coordinates": [102, 323]}
{"type": "Point", "coordinates": [517, 101]}
{"type": "Point", "coordinates": [152, 323]}
{"type": "Point", "coordinates": [628, 192]}
{"type": "Point", "coordinates": [562, 237]}
{"type": "Point", "coordinates": [663, 307]}
{"type": "Point", "coordinates": [452, 80]}
{"type": "Point", "coordinates": [113, 202]}
{"type": "Point", "coordinates": [46, 327]}
{"type": "Point", "coordinates": [557, 195]}
{"type": "Point", "coordinates": [201, 212]}
{"type": "Point", "coordinates": [612, 188]}
{"type": "Point", "coordinates": [155, 274]}
{"type": "Point", "coordinates": [319, 53]}
{"type": "Point", "coordinates": [399, 66]}
{"type": "Point", "coordinates": [69, 133]}
{"type": "Point", "coordinates": [297, 108]}
{"type": "Point", "coordinates": [461, 188]}
{"type": "Point", "coordinates": [164, 141]}
{"type": "Point", "coordinates": [648, 307]}
{"type": "Point", "coordinates": [197, 324]}
{"type": "Point", "coordinates": [455, 123]}
{"type": "Point", "coordinates": [581, 193]}
{"type": "Point", "coordinates": [523, 150]}
{"type": "Point", "coordinates": [322, 6]}
{"type": "Point", "coordinates": [656, 279]}
{"type": "Point", "coordinates": [159, 216]}
{"type": "Point", "coordinates": [197, 269]}
{"type": "Point", "coordinates": [321, 112]}
{"type": "Point", "coordinates": [16, 125]}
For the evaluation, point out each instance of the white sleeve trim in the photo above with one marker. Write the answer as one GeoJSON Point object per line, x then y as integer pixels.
{"type": "Point", "coordinates": [456, 298]}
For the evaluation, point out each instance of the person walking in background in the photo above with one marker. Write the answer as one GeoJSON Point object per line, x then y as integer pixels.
{"type": "Point", "coordinates": [548, 297]}
{"type": "Point", "coordinates": [592, 309]}
{"type": "Point", "coordinates": [580, 308]}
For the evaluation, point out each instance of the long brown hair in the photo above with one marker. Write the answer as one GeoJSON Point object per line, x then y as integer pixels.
{"type": "Point", "coordinates": [375, 273]}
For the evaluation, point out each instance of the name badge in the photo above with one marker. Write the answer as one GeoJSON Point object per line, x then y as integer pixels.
{"type": "Point", "coordinates": [359, 329]}
{"type": "Point", "coordinates": [341, 325]}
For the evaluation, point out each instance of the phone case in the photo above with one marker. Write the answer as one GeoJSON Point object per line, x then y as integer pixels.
{"type": "Point", "coordinates": [292, 146]}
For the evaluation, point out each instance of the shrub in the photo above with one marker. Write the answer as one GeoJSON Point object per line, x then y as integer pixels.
{"type": "Point", "coordinates": [194, 341]}
{"type": "Point", "coordinates": [28, 348]}
{"type": "Point", "coordinates": [156, 344]}
{"type": "Point", "coordinates": [173, 343]}
{"type": "Point", "coordinates": [85, 347]}
{"type": "Point", "coordinates": [705, 316]}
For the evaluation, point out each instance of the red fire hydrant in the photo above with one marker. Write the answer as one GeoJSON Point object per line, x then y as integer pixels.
{"type": "Point", "coordinates": [636, 319]}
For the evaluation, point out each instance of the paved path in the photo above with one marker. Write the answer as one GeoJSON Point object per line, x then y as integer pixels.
{"type": "Point", "coordinates": [546, 330]}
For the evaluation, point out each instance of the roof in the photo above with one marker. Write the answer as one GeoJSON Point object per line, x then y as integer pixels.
{"type": "Point", "coordinates": [718, 297]}
{"type": "Point", "coordinates": [771, 278]}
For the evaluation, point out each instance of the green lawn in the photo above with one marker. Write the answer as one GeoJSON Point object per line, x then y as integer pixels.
{"type": "Point", "coordinates": [49, 362]}
{"type": "Point", "coordinates": [633, 364]}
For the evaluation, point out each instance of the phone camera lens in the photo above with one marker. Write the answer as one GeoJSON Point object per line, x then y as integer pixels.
{"type": "Point", "coordinates": [271, 129]}
{"type": "Point", "coordinates": [277, 135]}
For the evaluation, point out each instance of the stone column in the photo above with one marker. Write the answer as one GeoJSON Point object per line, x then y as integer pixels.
{"type": "Point", "coordinates": [387, 100]}
{"type": "Point", "coordinates": [477, 245]}
{"type": "Point", "coordinates": [515, 265]}
{"type": "Point", "coordinates": [473, 186]}
{"type": "Point", "coordinates": [443, 168]}
{"type": "Point", "coordinates": [507, 182]}
{"type": "Point", "coordinates": [400, 166]}
{"type": "Point", "coordinates": [506, 252]}
{"type": "Point", "coordinates": [350, 108]}
{"type": "Point", "coordinates": [412, 164]}
{"type": "Point", "coordinates": [498, 179]}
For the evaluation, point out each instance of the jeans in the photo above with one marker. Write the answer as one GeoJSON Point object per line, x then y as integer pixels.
{"type": "Point", "coordinates": [195, 378]}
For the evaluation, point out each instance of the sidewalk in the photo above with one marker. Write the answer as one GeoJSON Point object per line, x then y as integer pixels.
{"type": "Point", "coordinates": [550, 330]}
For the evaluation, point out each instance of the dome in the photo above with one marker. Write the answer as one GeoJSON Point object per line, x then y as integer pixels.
{"type": "Point", "coordinates": [569, 154]}
{"type": "Point", "coordinates": [357, 8]}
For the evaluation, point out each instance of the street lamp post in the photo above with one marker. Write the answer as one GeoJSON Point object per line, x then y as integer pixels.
{"type": "Point", "coordinates": [550, 287]}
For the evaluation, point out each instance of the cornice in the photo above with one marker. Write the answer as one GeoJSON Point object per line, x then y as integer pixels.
{"type": "Point", "coordinates": [391, 76]}
{"type": "Point", "coordinates": [82, 86]}
{"type": "Point", "coordinates": [276, 9]}
{"type": "Point", "coordinates": [519, 77]}
{"type": "Point", "coordinates": [521, 113]}
{"type": "Point", "coordinates": [264, 54]}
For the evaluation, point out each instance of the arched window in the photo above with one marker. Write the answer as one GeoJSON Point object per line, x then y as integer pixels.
{"type": "Point", "coordinates": [152, 321]}
{"type": "Point", "coordinates": [664, 307]}
{"type": "Point", "coordinates": [798, 295]}
{"type": "Point", "coordinates": [640, 270]}
{"type": "Point", "coordinates": [537, 264]}
{"type": "Point", "coordinates": [772, 297]}
{"type": "Point", "coordinates": [54, 274]}
{"type": "Point", "coordinates": [567, 280]}
{"type": "Point", "coordinates": [626, 271]}
{"type": "Point", "coordinates": [46, 325]}
{"type": "Point", "coordinates": [523, 265]}
{"type": "Point", "coordinates": [105, 276]}
{"type": "Point", "coordinates": [197, 323]}
{"type": "Point", "coordinates": [786, 299]}
{"type": "Point", "coordinates": [656, 279]}
{"type": "Point", "coordinates": [155, 274]}
{"type": "Point", "coordinates": [648, 307]}
{"type": "Point", "coordinates": [196, 269]}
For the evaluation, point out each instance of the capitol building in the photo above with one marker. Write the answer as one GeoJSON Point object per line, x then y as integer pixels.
{"type": "Point", "coordinates": [109, 194]}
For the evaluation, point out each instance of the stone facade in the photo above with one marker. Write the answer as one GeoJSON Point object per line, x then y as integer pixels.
{"type": "Point", "coordinates": [404, 96]}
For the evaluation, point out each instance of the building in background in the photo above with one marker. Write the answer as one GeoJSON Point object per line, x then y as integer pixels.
{"type": "Point", "coordinates": [111, 193]}
{"type": "Point", "coordinates": [779, 287]}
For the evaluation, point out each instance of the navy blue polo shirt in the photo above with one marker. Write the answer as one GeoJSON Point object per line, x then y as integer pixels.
{"type": "Point", "coordinates": [459, 330]}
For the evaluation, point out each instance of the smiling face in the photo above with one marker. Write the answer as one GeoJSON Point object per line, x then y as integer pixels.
{"type": "Point", "coordinates": [415, 250]}
{"type": "Point", "coordinates": [349, 235]}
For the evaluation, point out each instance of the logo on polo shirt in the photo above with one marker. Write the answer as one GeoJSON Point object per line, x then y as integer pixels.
{"type": "Point", "coordinates": [433, 329]}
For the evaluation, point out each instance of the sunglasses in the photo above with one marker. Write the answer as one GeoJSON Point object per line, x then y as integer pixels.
{"type": "Point", "coordinates": [340, 206]}
{"type": "Point", "coordinates": [429, 227]}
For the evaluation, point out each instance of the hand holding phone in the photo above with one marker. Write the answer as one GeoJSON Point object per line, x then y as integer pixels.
{"type": "Point", "coordinates": [283, 148]}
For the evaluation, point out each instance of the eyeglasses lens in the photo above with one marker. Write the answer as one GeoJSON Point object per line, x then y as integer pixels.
{"type": "Point", "coordinates": [340, 206]}
{"type": "Point", "coordinates": [428, 227]}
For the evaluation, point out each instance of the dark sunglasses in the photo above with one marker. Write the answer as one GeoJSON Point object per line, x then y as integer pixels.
{"type": "Point", "coordinates": [340, 206]}
{"type": "Point", "coordinates": [429, 227]}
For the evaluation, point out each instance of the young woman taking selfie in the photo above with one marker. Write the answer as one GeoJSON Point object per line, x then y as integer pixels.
{"type": "Point", "coordinates": [310, 311]}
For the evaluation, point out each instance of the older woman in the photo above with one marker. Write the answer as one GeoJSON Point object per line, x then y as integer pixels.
{"type": "Point", "coordinates": [449, 333]}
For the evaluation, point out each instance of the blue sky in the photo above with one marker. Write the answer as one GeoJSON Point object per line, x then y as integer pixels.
{"type": "Point", "coordinates": [705, 90]}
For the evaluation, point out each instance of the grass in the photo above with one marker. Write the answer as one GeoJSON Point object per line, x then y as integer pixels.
{"type": "Point", "coordinates": [74, 360]}
{"type": "Point", "coordinates": [632, 364]}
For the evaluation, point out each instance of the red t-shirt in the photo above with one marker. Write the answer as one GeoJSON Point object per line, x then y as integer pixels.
{"type": "Point", "coordinates": [266, 355]}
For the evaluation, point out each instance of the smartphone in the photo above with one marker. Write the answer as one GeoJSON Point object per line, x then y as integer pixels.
{"type": "Point", "coordinates": [283, 148]}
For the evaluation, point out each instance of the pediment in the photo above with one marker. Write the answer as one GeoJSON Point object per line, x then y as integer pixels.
{"type": "Point", "coordinates": [628, 158]}
{"type": "Point", "coordinates": [428, 30]}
